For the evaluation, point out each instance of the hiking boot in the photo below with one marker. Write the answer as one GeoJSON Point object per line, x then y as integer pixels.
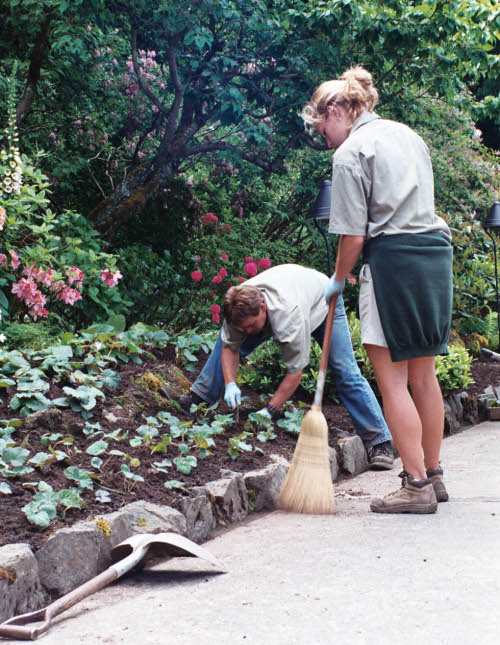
{"type": "Point", "coordinates": [436, 477]}
{"type": "Point", "coordinates": [414, 496]}
{"type": "Point", "coordinates": [187, 400]}
{"type": "Point", "coordinates": [381, 456]}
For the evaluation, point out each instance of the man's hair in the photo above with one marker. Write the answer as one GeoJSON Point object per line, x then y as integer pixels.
{"type": "Point", "coordinates": [240, 302]}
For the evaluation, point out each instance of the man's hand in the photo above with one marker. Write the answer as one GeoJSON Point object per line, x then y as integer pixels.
{"type": "Point", "coordinates": [334, 287]}
{"type": "Point", "coordinates": [265, 413]}
{"type": "Point", "coordinates": [232, 395]}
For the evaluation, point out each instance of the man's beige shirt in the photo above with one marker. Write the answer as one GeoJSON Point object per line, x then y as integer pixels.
{"type": "Point", "coordinates": [374, 187]}
{"type": "Point", "coordinates": [295, 308]}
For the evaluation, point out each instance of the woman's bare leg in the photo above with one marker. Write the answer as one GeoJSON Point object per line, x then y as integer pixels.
{"type": "Point", "coordinates": [428, 399]}
{"type": "Point", "coordinates": [400, 411]}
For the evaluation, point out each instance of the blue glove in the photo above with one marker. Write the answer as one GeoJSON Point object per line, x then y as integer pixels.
{"type": "Point", "coordinates": [232, 395]}
{"type": "Point", "coordinates": [333, 288]}
{"type": "Point", "coordinates": [265, 413]}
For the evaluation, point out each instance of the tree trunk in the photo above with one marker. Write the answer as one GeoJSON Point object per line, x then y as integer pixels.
{"type": "Point", "coordinates": [37, 57]}
{"type": "Point", "coordinates": [129, 198]}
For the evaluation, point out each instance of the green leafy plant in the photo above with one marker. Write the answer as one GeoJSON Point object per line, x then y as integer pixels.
{"type": "Point", "coordinates": [44, 506]}
{"type": "Point", "coordinates": [238, 444]}
{"type": "Point", "coordinates": [185, 464]}
{"type": "Point", "coordinates": [186, 346]}
{"type": "Point", "coordinates": [453, 371]}
{"type": "Point", "coordinates": [292, 421]}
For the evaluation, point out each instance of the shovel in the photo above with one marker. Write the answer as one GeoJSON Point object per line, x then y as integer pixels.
{"type": "Point", "coordinates": [126, 556]}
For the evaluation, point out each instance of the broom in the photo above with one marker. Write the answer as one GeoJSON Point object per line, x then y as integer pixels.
{"type": "Point", "coordinates": [308, 486]}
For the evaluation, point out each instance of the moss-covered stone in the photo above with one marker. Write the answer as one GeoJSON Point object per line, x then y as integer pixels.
{"type": "Point", "coordinates": [151, 382]}
{"type": "Point", "coordinates": [454, 338]}
{"type": "Point", "coordinates": [474, 343]}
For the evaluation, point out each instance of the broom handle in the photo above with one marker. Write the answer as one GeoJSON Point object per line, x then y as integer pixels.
{"type": "Point", "coordinates": [320, 386]}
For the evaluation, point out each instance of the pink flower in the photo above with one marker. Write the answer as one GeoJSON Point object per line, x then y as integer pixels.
{"type": "Point", "coordinates": [3, 215]}
{"type": "Point", "coordinates": [212, 293]}
{"type": "Point", "coordinates": [69, 296]}
{"type": "Point", "coordinates": [215, 309]}
{"type": "Point", "coordinates": [56, 287]}
{"type": "Point", "coordinates": [14, 263]}
{"type": "Point", "coordinates": [109, 278]}
{"type": "Point", "coordinates": [224, 228]}
{"type": "Point", "coordinates": [248, 259]}
{"type": "Point", "coordinates": [196, 276]}
{"type": "Point", "coordinates": [75, 275]}
{"type": "Point", "coordinates": [351, 278]}
{"type": "Point", "coordinates": [224, 256]}
{"type": "Point", "coordinates": [215, 318]}
{"type": "Point", "coordinates": [25, 289]}
{"type": "Point", "coordinates": [38, 311]}
{"type": "Point", "coordinates": [250, 269]}
{"type": "Point", "coordinates": [240, 278]}
{"type": "Point", "coordinates": [223, 273]}
{"type": "Point", "coordinates": [217, 279]}
{"type": "Point", "coordinates": [265, 263]}
{"type": "Point", "coordinates": [3, 260]}
{"type": "Point", "coordinates": [208, 218]}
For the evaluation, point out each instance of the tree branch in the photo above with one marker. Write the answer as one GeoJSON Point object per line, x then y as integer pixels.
{"type": "Point", "coordinates": [179, 89]}
{"type": "Point", "coordinates": [273, 165]}
{"type": "Point", "coordinates": [137, 70]}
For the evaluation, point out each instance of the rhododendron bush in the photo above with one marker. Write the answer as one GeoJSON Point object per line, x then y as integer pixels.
{"type": "Point", "coordinates": [216, 270]}
{"type": "Point", "coordinates": [49, 264]}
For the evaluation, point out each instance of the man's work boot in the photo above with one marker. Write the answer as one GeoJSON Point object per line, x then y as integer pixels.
{"type": "Point", "coordinates": [436, 477]}
{"type": "Point", "coordinates": [187, 400]}
{"type": "Point", "coordinates": [414, 496]}
{"type": "Point", "coordinates": [381, 456]}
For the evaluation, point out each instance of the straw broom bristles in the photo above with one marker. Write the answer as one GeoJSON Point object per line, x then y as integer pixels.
{"type": "Point", "coordinates": [308, 486]}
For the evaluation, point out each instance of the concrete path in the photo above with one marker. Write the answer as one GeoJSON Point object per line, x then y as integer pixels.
{"type": "Point", "coordinates": [351, 578]}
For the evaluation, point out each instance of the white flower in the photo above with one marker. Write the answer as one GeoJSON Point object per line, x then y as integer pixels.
{"type": "Point", "coordinates": [3, 338]}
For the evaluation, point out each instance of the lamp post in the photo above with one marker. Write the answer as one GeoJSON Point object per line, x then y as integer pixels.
{"type": "Point", "coordinates": [492, 223]}
{"type": "Point", "coordinates": [321, 210]}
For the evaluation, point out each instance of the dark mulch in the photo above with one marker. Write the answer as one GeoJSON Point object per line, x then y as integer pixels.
{"type": "Point", "coordinates": [139, 402]}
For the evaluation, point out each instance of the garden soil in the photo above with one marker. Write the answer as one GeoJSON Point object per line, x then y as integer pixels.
{"type": "Point", "coordinates": [126, 407]}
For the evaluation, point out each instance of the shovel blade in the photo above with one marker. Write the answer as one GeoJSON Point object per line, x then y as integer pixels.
{"type": "Point", "coordinates": [164, 545]}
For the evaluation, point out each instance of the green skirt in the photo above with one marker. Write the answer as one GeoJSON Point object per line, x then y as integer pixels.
{"type": "Point", "coordinates": [413, 284]}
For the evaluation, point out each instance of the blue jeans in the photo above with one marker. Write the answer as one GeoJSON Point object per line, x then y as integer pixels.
{"type": "Point", "coordinates": [354, 390]}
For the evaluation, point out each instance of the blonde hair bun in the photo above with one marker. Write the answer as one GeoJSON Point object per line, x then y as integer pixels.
{"type": "Point", "coordinates": [354, 91]}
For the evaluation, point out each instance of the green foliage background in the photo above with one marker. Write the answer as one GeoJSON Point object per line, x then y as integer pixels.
{"type": "Point", "coordinates": [136, 119]}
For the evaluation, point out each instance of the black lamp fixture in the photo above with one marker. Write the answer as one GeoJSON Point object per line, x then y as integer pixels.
{"type": "Point", "coordinates": [491, 224]}
{"type": "Point", "coordinates": [321, 210]}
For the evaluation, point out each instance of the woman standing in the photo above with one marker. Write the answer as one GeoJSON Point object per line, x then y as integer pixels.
{"type": "Point", "coordinates": [383, 205]}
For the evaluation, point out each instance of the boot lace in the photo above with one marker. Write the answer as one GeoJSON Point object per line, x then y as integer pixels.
{"type": "Point", "coordinates": [404, 476]}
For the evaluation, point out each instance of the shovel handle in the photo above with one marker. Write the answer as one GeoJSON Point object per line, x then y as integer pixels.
{"type": "Point", "coordinates": [14, 627]}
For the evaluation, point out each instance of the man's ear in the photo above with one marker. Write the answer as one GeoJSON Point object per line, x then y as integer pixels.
{"type": "Point", "coordinates": [263, 307]}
